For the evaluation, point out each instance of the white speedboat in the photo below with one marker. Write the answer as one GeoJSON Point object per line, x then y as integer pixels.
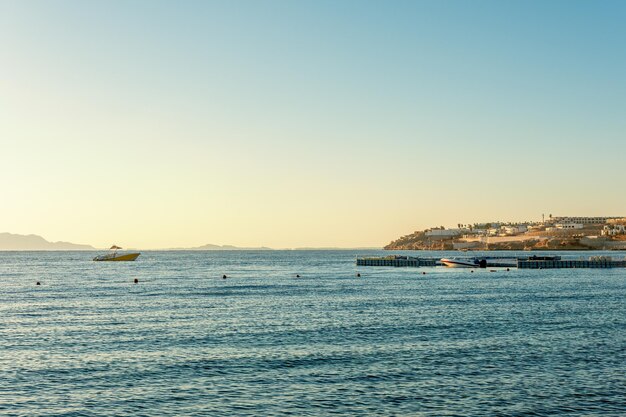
{"type": "Point", "coordinates": [460, 263]}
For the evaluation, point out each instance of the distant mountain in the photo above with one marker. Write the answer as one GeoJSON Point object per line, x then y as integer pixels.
{"type": "Point", "coordinates": [222, 247]}
{"type": "Point", "coordinates": [10, 241]}
{"type": "Point", "coordinates": [334, 248]}
{"type": "Point", "coordinates": [230, 247]}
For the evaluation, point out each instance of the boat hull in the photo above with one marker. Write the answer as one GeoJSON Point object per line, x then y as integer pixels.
{"type": "Point", "coordinates": [117, 258]}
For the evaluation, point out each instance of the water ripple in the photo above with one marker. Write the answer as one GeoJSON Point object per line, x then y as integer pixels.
{"type": "Point", "coordinates": [89, 342]}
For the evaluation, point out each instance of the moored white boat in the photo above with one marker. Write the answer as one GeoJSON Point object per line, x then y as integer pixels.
{"type": "Point", "coordinates": [460, 263]}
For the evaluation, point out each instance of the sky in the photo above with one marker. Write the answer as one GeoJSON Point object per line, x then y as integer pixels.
{"type": "Point", "coordinates": [157, 124]}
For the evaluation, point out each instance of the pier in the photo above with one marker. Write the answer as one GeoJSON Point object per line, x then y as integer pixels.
{"type": "Point", "coordinates": [528, 262]}
{"type": "Point", "coordinates": [397, 261]}
{"type": "Point", "coordinates": [574, 263]}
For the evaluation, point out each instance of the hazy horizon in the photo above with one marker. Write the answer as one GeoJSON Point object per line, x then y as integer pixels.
{"type": "Point", "coordinates": [305, 124]}
{"type": "Point", "coordinates": [34, 242]}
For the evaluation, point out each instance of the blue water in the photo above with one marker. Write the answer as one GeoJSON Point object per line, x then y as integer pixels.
{"type": "Point", "coordinates": [185, 342]}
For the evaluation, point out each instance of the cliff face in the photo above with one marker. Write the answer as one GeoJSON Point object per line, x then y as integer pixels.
{"type": "Point", "coordinates": [418, 241]}
{"type": "Point", "coordinates": [541, 244]}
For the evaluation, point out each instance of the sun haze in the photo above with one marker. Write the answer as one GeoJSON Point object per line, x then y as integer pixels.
{"type": "Point", "coordinates": [285, 124]}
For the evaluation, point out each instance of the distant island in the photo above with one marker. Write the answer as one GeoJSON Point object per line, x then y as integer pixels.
{"type": "Point", "coordinates": [10, 241]}
{"type": "Point", "coordinates": [335, 248]}
{"type": "Point", "coordinates": [233, 248]}
{"type": "Point", "coordinates": [555, 233]}
{"type": "Point", "coordinates": [221, 247]}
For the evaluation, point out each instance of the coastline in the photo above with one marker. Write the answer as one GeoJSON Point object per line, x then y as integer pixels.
{"type": "Point", "coordinates": [537, 244]}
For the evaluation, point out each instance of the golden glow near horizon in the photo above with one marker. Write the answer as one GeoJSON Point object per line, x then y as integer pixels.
{"type": "Point", "coordinates": [223, 128]}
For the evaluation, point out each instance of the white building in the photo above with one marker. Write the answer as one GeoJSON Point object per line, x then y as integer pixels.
{"type": "Point", "coordinates": [618, 229]}
{"type": "Point", "coordinates": [582, 220]}
{"type": "Point", "coordinates": [514, 230]}
{"type": "Point", "coordinates": [565, 226]}
{"type": "Point", "coordinates": [443, 232]}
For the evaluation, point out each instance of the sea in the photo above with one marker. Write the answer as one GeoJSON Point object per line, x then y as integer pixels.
{"type": "Point", "coordinates": [184, 341]}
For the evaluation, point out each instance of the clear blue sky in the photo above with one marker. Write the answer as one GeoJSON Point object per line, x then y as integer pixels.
{"type": "Point", "coordinates": [322, 123]}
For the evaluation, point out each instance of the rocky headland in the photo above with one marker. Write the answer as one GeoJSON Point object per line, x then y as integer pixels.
{"type": "Point", "coordinates": [512, 237]}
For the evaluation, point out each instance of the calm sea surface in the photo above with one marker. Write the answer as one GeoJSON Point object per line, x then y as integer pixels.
{"type": "Point", "coordinates": [185, 342]}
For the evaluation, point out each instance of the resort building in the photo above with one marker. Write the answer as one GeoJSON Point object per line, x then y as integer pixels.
{"type": "Point", "coordinates": [618, 229]}
{"type": "Point", "coordinates": [513, 230]}
{"type": "Point", "coordinates": [443, 232]}
{"type": "Point", "coordinates": [581, 220]}
{"type": "Point", "coordinates": [569, 226]}
{"type": "Point", "coordinates": [493, 232]}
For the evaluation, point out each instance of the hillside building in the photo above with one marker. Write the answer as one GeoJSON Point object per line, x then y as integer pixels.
{"type": "Point", "coordinates": [618, 229]}
{"type": "Point", "coordinates": [581, 220]}
{"type": "Point", "coordinates": [443, 232]}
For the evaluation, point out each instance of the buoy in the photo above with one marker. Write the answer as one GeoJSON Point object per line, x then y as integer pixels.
{"type": "Point", "coordinates": [135, 280]}
{"type": "Point", "coordinates": [507, 269]}
{"type": "Point", "coordinates": [358, 275]}
{"type": "Point", "coordinates": [423, 273]}
{"type": "Point", "coordinates": [472, 271]}
{"type": "Point", "coordinates": [224, 277]}
{"type": "Point", "coordinates": [297, 275]}
{"type": "Point", "coordinates": [38, 283]}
